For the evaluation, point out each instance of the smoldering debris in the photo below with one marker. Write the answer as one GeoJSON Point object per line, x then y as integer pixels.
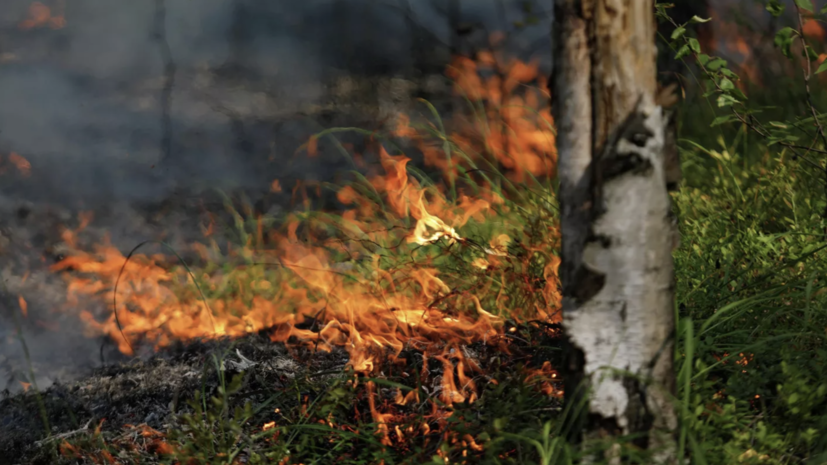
{"type": "Point", "coordinates": [156, 392]}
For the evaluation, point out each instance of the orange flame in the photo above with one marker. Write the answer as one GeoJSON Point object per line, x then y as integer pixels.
{"type": "Point", "coordinates": [544, 379]}
{"type": "Point", "coordinates": [24, 306]}
{"type": "Point", "coordinates": [372, 279]}
{"type": "Point", "coordinates": [21, 164]}
{"type": "Point", "coordinates": [516, 129]}
{"type": "Point", "coordinates": [40, 15]}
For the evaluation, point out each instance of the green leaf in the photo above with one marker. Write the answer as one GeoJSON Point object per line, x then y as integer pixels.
{"type": "Point", "coordinates": [697, 19]}
{"type": "Point", "coordinates": [823, 9]}
{"type": "Point", "coordinates": [822, 67]}
{"type": "Point", "coordinates": [703, 59]}
{"type": "Point", "coordinates": [810, 53]}
{"type": "Point", "coordinates": [805, 5]}
{"type": "Point", "coordinates": [722, 120]}
{"type": "Point", "coordinates": [784, 40]}
{"type": "Point", "coordinates": [775, 8]}
{"type": "Point", "coordinates": [738, 94]}
{"type": "Point", "coordinates": [716, 64]}
{"type": "Point", "coordinates": [726, 100]}
{"type": "Point", "coordinates": [678, 32]}
{"type": "Point", "coordinates": [695, 45]}
{"type": "Point", "coordinates": [726, 84]}
{"type": "Point", "coordinates": [660, 10]}
{"type": "Point", "coordinates": [682, 52]}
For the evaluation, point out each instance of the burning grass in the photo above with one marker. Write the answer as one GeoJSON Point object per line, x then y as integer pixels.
{"type": "Point", "coordinates": [409, 261]}
{"type": "Point", "coordinates": [429, 287]}
{"type": "Point", "coordinates": [247, 400]}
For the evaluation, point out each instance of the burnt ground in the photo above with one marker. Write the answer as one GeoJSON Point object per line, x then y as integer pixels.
{"type": "Point", "coordinates": [157, 391]}
{"type": "Point", "coordinates": [147, 392]}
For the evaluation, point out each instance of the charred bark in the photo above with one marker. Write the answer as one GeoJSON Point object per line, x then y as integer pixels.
{"type": "Point", "coordinates": [617, 269]}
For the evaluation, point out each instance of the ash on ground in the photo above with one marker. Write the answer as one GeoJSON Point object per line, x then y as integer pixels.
{"type": "Point", "coordinates": [157, 391]}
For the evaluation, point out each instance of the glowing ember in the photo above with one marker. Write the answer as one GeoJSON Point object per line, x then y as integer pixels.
{"type": "Point", "coordinates": [544, 379]}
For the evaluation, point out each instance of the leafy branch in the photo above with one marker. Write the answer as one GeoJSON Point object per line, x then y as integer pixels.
{"type": "Point", "coordinates": [721, 82]}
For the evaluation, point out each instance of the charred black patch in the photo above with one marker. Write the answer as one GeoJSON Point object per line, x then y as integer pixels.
{"type": "Point", "coordinates": [640, 138]}
{"type": "Point", "coordinates": [621, 164]}
{"type": "Point", "coordinates": [571, 371]}
{"type": "Point", "coordinates": [603, 240]}
{"type": "Point", "coordinates": [640, 419]}
{"type": "Point", "coordinates": [587, 283]}
{"type": "Point", "coordinates": [635, 131]}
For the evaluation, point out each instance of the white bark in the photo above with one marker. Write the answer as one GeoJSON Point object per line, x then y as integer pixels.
{"type": "Point", "coordinates": [617, 269]}
{"type": "Point", "coordinates": [625, 329]}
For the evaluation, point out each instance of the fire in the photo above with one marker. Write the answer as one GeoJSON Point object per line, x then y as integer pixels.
{"type": "Point", "coordinates": [40, 15]}
{"type": "Point", "coordinates": [408, 265]}
{"type": "Point", "coordinates": [24, 306]}
{"type": "Point", "coordinates": [750, 48]}
{"type": "Point", "coordinates": [363, 312]}
{"type": "Point", "coordinates": [511, 124]}
{"type": "Point", "coordinates": [20, 164]}
{"type": "Point", "coordinates": [545, 379]}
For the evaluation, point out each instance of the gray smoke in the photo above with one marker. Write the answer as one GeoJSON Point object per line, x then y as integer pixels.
{"type": "Point", "coordinates": [92, 107]}
{"type": "Point", "coordinates": [84, 103]}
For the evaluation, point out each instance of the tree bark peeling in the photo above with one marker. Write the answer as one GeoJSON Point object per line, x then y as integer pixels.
{"type": "Point", "coordinates": [617, 238]}
{"type": "Point", "coordinates": [625, 329]}
{"type": "Point", "coordinates": [623, 60]}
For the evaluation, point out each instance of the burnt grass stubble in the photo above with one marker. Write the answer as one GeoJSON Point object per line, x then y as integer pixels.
{"type": "Point", "coordinates": [157, 391]}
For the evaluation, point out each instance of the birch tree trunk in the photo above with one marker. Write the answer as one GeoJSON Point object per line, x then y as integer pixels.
{"type": "Point", "coordinates": [617, 236]}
